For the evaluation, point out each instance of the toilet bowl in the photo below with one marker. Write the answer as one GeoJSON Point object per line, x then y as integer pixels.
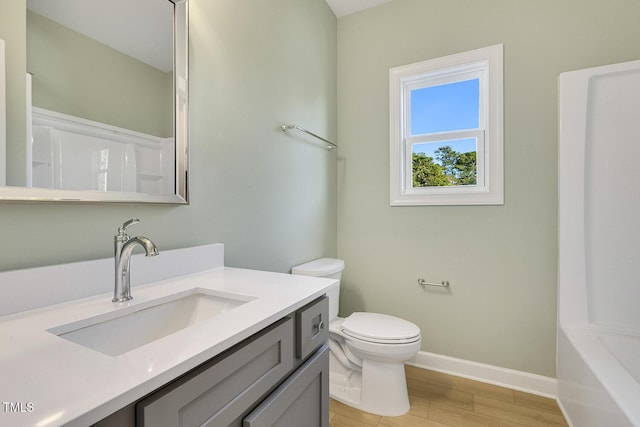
{"type": "Point", "coordinates": [367, 351]}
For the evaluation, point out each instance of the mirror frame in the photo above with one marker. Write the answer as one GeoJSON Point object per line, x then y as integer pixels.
{"type": "Point", "coordinates": [181, 135]}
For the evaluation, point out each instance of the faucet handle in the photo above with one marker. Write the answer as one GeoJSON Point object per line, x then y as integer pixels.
{"type": "Point", "coordinates": [123, 229]}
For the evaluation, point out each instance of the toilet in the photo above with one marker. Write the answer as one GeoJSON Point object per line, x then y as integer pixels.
{"type": "Point", "coordinates": [367, 351]}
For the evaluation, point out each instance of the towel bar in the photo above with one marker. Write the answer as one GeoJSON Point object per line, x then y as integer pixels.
{"type": "Point", "coordinates": [301, 129]}
{"type": "Point", "coordinates": [443, 284]}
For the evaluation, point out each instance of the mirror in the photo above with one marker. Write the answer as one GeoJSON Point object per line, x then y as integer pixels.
{"type": "Point", "coordinates": [107, 103]}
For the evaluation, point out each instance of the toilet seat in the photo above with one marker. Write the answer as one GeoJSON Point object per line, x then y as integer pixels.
{"type": "Point", "coordinates": [367, 351]}
{"type": "Point", "coordinates": [380, 328]}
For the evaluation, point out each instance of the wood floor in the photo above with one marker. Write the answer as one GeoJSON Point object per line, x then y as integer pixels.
{"type": "Point", "coordinates": [440, 400]}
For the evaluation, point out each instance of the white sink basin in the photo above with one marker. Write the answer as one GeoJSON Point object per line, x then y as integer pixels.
{"type": "Point", "coordinates": [131, 327]}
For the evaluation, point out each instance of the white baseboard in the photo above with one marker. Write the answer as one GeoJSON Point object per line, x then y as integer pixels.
{"type": "Point", "coordinates": [517, 380]}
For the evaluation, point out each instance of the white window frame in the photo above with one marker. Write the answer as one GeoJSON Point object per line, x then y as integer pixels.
{"type": "Point", "coordinates": [485, 64]}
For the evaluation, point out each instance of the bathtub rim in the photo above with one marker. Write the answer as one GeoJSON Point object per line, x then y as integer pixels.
{"type": "Point", "coordinates": [616, 380]}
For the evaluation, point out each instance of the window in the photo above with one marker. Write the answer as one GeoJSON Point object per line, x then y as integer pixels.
{"type": "Point", "coordinates": [446, 130]}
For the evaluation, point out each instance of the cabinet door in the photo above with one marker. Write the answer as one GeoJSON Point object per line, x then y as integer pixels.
{"type": "Point", "coordinates": [221, 391]}
{"type": "Point", "coordinates": [312, 327]}
{"type": "Point", "coordinates": [302, 400]}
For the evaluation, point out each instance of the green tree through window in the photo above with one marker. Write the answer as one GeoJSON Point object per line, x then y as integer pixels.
{"type": "Point", "coordinates": [427, 173]}
{"type": "Point", "coordinates": [449, 168]}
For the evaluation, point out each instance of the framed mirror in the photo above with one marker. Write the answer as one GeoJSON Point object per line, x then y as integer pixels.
{"type": "Point", "coordinates": [107, 104]}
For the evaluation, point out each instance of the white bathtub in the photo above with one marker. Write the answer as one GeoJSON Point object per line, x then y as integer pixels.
{"type": "Point", "coordinates": [599, 246]}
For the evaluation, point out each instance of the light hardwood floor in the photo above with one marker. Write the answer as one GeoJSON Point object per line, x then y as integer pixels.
{"type": "Point", "coordinates": [440, 400]}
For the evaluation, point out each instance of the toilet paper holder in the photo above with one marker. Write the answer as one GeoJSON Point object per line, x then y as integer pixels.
{"type": "Point", "coordinates": [443, 284]}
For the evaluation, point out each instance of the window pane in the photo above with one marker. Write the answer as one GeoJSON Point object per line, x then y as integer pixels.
{"type": "Point", "coordinates": [445, 108]}
{"type": "Point", "coordinates": [444, 163]}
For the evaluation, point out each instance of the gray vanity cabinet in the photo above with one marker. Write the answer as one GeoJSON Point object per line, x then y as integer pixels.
{"type": "Point", "coordinates": [300, 401]}
{"type": "Point", "coordinates": [217, 393]}
{"type": "Point", "coordinates": [277, 377]}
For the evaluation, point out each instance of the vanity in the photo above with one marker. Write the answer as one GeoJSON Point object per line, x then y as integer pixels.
{"type": "Point", "coordinates": [205, 345]}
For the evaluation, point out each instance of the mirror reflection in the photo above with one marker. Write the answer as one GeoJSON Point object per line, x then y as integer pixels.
{"type": "Point", "coordinates": [104, 105]}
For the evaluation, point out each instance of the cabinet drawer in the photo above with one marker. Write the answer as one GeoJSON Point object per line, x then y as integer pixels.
{"type": "Point", "coordinates": [312, 327]}
{"type": "Point", "coordinates": [219, 392]}
{"type": "Point", "coordinates": [302, 400]}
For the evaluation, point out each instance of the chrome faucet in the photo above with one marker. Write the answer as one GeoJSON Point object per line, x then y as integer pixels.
{"type": "Point", "coordinates": [123, 245]}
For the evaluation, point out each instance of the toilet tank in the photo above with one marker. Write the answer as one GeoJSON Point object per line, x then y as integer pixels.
{"type": "Point", "coordinates": [329, 268]}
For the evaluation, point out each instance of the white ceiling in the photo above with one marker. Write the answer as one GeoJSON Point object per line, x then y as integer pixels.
{"type": "Point", "coordinates": [346, 7]}
{"type": "Point", "coordinates": [144, 32]}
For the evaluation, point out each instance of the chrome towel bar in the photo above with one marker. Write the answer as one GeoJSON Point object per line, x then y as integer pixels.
{"type": "Point", "coordinates": [285, 128]}
{"type": "Point", "coordinates": [443, 284]}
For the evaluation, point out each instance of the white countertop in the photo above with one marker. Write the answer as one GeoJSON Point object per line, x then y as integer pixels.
{"type": "Point", "coordinates": [58, 382]}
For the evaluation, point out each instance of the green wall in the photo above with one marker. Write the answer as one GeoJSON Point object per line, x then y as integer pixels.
{"type": "Point", "coordinates": [500, 260]}
{"type": "Point", "coordinates": [273, 198]}
{"type": "Point", "coordinates": [13, 30]}
{"type": "Point", "coordinates": [74, 74]}
{"type": "Point", "coordinates": [269, 197]}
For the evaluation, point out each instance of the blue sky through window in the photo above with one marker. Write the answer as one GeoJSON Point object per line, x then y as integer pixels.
{"type": "Point", "coordinates": [444, 108]}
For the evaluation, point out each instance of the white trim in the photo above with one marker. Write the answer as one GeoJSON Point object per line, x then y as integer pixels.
{"type": "Point", "coordinates": [517, 380]}
{"type": "Point", "coordinates": [487, 63]}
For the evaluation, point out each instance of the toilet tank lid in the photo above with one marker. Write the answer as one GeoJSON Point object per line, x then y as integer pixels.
{"type": "Point", "coordinates": [319, 267]}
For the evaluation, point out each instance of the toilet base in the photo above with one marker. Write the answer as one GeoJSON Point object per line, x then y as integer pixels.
{"type": "Point", "coordinates": [380, 388]}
